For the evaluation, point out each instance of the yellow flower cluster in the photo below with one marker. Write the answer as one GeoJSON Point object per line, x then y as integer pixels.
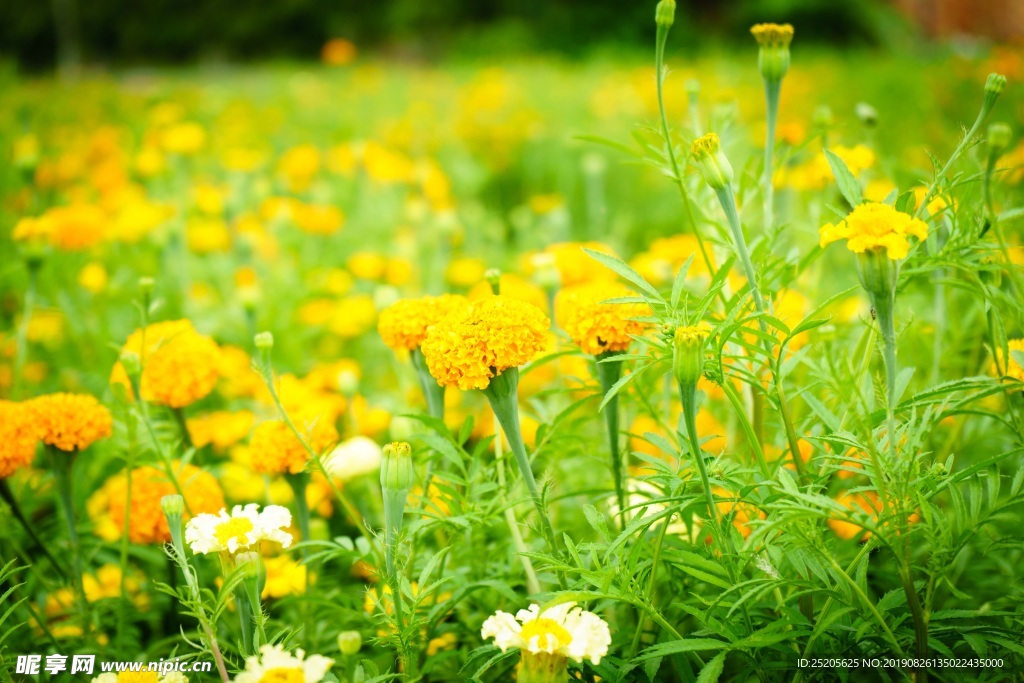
{"type": "Point", "coordinates": [598, 327]}
{"type": "Point", "coordinates": [17, 438]}
{"type": "Point", "coordinates": [873, 226]}
{"type": "Point", "coordinates": [659, 264]}
{"type": "Point", "coordinates": [467, 349]}
{"type": "Point", "coordinates": [69, 421]}
{"type": "Point", "coordinates": [816, 174]}
{"type": "Point", "coordinates": [693, 333]}
{"type": "Point", "coordinates": [71, 228]}
{"type": "Point", "coordinates": [405, 324]}
{"type": "Point", "coordinates": [275, 449]}
{"type": "Point", "coordinates": [220, 429]}
{"type": "Point", "coordinates": [180, 366]}
{"type": "Point", "coordinates": [572, 263]}
{"type": "Point", "coordinates": [146, 522]}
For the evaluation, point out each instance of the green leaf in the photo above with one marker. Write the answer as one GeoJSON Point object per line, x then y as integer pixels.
{"type": "Point", "coordinates": [611, 144]}
{"type": "Point", "coordinates": [680, 282]}
{"type": "Point", "coordinates": [623, 270]}
{"type": "Point", "coordinates": [906, 203]}
{"type": "Point", "coordinates": [684, 645]}
{"type": "Point", "coordinates": [848, 185]}
{"type": "Point", "coordinates": [713, 669]}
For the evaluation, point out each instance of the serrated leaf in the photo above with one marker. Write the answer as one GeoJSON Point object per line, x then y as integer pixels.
{"type": "Point", "coordinates": [845, 180]}
{"type": "Point", "coordinates": [713, 669]}
{"type": "Point", "coordinates": [623, 270]}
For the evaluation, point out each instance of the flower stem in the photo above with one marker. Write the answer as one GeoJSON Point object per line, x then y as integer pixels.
{"type": "Point", "coordinates": [21, 339]}
{"type": "Point", "coordinates": [608, 373]}
{"type": "Point", "coordinates": [62, 466]}
{"type": "Point", "coordinates": [771, 97]}
{"type": "Point", "coordinates": [432, 391]}
{"type": "Point", "coordinates": [501, 394]}
{"type": "Point", "coordinates": [12, 503]}
{"type": "Point", "coordinates": [532, 584]}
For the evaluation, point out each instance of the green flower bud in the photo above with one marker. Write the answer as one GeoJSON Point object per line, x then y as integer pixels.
{"type": "Point", "coordinates": [867, 114]}
{"type": "Point", "coordinates": [999, 137]}
{"type": "Point", "coordinates": [493, 277]}
{"type": "Point", "coordinates": [773, 54]}
{"type": "Point", "coordinates": [146, 285]}
{"type": "Point", "coordinates": [396, 470]}
{"type": "Point", "coordinates": [350, 642]}
{"type": "Point", "coordinates": [264, 341]}
{"type": "Point", "coordinates": [688, 353]}
{"type": "Point", "coordinates": [708, 156]}
{"type": "Point", "coordinates": [993, 88]}
{"type": "Point", "coordinates": [131, 364]}
{"type": "Point", "coordinates": [665, 13]}
{"type": "Point", "coordinates": [172, 505]}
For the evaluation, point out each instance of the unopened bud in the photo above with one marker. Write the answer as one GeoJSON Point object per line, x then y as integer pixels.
{"type": "Point", "coordinates": [131, 364]}
{"type": "Point", "coordinates": [712, 162]}
{"type": "Point", "coordinates": [396, 470]}
{"type": "Point", "coordinates": [350, 642]}
{"type": "Point", "coordinates": [773, 53]}
{"type": "Point", "coordinates": [665, 13]}
{"type": "Point", "coordinates": [999, 137]}
{"type": "Point", "coordinates": [688, 353]}
{"type": "Point", "coordinates": [867, 114]}
{"type": "Point", "coordinates": [878, 273]}
{"type": "Point", "coordinates": [493, 278]}
{"type": "Point", "coordinates": [993, 88]}
{"type": "Point", "coordinates": [264, 341]}
{"type": "Point", "coordinates": [173, 504]}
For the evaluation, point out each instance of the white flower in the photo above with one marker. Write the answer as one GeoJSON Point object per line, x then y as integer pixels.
{"type": "Point", "coordinates": [275, 664]}
{"type": "Point", "coordinates": [352, 458]}
{"type": "Point", "coordinates": [564, 629]}
{"type": "Point", "coordinates": [243, 528]}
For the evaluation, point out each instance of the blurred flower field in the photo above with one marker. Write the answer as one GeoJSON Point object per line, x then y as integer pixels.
{"type": "Point", "coordinates": [259, 327]}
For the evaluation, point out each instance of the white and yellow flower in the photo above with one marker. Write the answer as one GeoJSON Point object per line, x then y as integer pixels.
{"type": "Point", "coordinates": [275, 665]}
{"type": "Point", "coordinates": [563, 630]}
{"type": "Point", "coordinates": [244, 528]}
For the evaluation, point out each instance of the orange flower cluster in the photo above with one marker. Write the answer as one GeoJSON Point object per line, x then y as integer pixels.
{"type": "Point", "coordinates": [598, 327]}
{"type": "Point", "coordinates": [404, 324]}
{"type": "Point", "coordinates": [69, 421]}
{"type": "Point", "coordinates": [275, 449]}
{"type": "Point", "coordinates": [17, 438]}
{"type": "Point", "coordinates": [467, 349]}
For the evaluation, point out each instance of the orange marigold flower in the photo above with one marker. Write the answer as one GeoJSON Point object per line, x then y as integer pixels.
{"type": "Point", "coordinates": [180, 366]}
{"type": "Point", "coordinates": [873, 226]}
{"type": "Point", "coordinates": [17, 438]}
{"type": "Point", "coordinates": [467, 349]}
{"type": "Point", "coordinates": [275, 449]}
{"type": "Point", "coordinates": [146, 522]}
{"type": "Point", "coordinates": [574, 265]}
{"type": "Point", "coordinates": [70, 421]}
{"type": "Point", "coordinates": [404, 324]}
{"type": "Point", "coordinates": [866, 502]}
{"type": "Point", "coordinates": [220, 429]}
{"type": "Point", "coordinates": [598, 327]}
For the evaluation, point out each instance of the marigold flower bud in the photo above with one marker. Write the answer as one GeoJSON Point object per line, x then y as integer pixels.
{"type": "Point", "coordinates": [867, 114]}
{"type": "Point", "coordinates": [264, 341]}
{"type": "Point", "coordinates": [712, 162]}
{"type": "Point", "coordinates": [665, 13]}
{"type": "Point", "coordinates": [773, 55]}
{"type": "Point", "coordinates": [146, 285]}
{"type": "Point", "coordinates": [878, 272]}
{"type": "Point", "coordinates": [999, 136]}
{"type": "Point", "coordinates": [396, 470]}
{"type": "Point", "coordinates": [131, 364]}
{"type": "Point", "coordinates": [493, 278]}
{"type": "Point", "coordinates": [993, 88]}
{"type": "Point", "coordinates": [688, 353]}
{"type": "Point", "coordinates": [350, 642]}
{"type": "Point", "coordinates": [173, 504]}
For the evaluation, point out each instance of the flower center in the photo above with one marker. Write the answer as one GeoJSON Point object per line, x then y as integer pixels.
{"type": "Point", "coordinates": [549, 633]}
{"type": "Point", "coordinates": [236, 527]}
{"type": "Point", "coordinates": [283, 676]}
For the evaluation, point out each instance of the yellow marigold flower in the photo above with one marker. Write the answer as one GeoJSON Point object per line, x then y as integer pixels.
{"type": "Point", "coordinates": [816, 173]}
{"type": "Point", "coordinates": [285, 577]}
{"type": "Point", "coordinates": [405, 324]}
{"type": "Point", "coordinates": [183, 138]}
{"type": "Point", "coordinates": [207, 235]}
{"type": "Point", "coordinates": [46, 326]}
{"type": "Point", "coordinates": [17, 437]}
{"type": "Point", "coordinates": [146, 522]}
{"type": "Point", "coordinates": [467, 349]}
{"type": "Point", "coordinates": [275, 449]}
{"type": "Point", "coordinates": [93, 277]}
{"type": "Point", "coordinates": [354, 316]}
{"type": "Point", "coordinates": [299, 165]}
{"type": "Point", "coordinates": [660, 263]}
{"type": "Point", "coordinates": [70, 421]}
{"type": "Point", "coordinates": [866, 502]}
{"type": "Point", "coordinates": [367, 265]}
{"type": "Point", "coordinates": [573, 264]}
{"type": "Point", "coordinates": [180, 366]}
{"type": "Point", "coordinates": [598, 327]}
{"type": "Point", "coordinates": [873, 226]}
{"type": "Point", "coordinates": [465, 272]}
{"type": "Point", "coordinates": [137, 218]}
{"type": "Point", "coordinates": [398, 272]}
{"type": "Point", "coordinates": [220, 429]}
{"type": "Point", "coordinates": [76, 227]}
{"type": "Point", "coordinates": [209, 198]}
{"type": "Point", "coordinates": [317, 219]}
{"type": "Point", "coordinates": [513, 287]}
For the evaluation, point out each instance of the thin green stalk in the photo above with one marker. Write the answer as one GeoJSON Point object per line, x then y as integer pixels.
{"type": "Point", "coordinates": [179, 419]}
{"type": "Point", "coordinates": [501, 394]}
{"type": "Point", "coordinates": [755, 443]}
{"type": "Point", "coordinates": [12, 503]}
{"type": "Point", "coordinates": [532, 584]}
{"type": "Point", "coordinates": [62, 464]}
{"type": "Point", "coordinates": [771, 97]}
{"type": "Point", "coordinates": [432, 391]}
{"type": "Point", "coordinates": [608, 373]}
